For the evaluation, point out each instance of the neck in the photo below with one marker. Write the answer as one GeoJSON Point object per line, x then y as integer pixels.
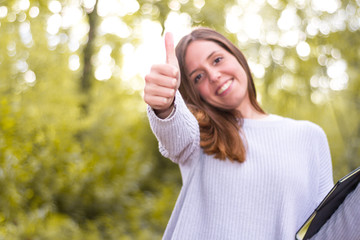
{"type": "Point", "coordinates": [254, 115]}
{"type": "Point", "coordinates": [248, 111]}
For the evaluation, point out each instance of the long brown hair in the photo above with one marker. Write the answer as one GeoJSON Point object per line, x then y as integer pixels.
{"type": "Point", "coordinates": [220, 130]}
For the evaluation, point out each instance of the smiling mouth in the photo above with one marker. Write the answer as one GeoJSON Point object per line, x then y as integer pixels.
{"type": "Point", "coordinates": [224, 87]}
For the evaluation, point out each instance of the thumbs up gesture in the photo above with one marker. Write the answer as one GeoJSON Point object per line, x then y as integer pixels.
{"type": "Point", "coordinates": [163, 81]}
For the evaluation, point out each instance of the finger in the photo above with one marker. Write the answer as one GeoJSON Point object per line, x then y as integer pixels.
{"type": "Point", "coordinates": [157, 102]}
{"type": "Point", "coordinates": [160, 80]}
{"type": "Point", "coordinates": [170, 50]}
{"type": "Point", "coordinates": [164, 69]}
{"type": "Point", "coordinates": [155, 90]}
{"type": "Point", "coordinates": [158, 97]}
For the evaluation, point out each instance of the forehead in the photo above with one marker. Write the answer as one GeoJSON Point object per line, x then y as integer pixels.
{"type": "Point", "coordinates": [198, 51]}
{"type": "Point", "coordinates": [202, 48]}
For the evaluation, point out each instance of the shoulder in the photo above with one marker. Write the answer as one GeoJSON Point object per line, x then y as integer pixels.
{"type": "Point", "coordinates": [306, 129]}
{"type": "Point", "coordinates": [305, 125]}
{"type": "Point", "coordinates": [280, 122]}
{"type": "Point", "coordinates": [285, 125]}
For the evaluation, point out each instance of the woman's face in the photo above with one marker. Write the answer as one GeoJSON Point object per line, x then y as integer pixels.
{"type": "Point", "coordinates": [217, 75]}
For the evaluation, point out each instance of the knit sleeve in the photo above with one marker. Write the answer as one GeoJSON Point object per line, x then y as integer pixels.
{"type": "Point", "coordinates": [326, 181]}
{"type": "Point", "coordinates": [179, 134]}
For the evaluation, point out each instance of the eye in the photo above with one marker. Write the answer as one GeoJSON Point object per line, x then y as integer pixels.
{"type": "Point", "coordinates": [217, 60]}
{"type": "Point", "coordinates": [198, 78]}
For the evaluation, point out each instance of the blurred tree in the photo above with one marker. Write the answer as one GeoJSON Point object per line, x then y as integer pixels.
{"type": "Point", "coordinates": [69, 175]}
{"type": "Point", "coordinates": [88, 49]}
{"type": "Point", "coordinates": [87, 73]}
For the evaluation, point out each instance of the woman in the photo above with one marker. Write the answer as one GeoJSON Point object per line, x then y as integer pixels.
{"type": "Point", "coordinates": [246, 174]}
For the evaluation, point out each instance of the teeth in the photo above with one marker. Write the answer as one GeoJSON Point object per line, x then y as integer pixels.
{"type": "Point", "coordinates": [224, 87]}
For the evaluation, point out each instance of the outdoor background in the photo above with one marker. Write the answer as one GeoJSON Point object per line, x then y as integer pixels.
{"type": "Point", "coordinates": [77, 157]}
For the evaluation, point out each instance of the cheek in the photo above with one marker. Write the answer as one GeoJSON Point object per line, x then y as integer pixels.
{"type": "Point", "coordinates": [203, 90]}
{"type": "Point", "coordinates": [243, 76]}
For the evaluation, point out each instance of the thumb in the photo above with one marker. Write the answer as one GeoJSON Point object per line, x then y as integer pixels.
{"type": "Point", "coordinates": [170, 50]}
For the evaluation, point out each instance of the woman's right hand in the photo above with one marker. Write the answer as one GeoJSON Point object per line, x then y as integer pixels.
{"type": "Point", "coordinates": [163, 81]}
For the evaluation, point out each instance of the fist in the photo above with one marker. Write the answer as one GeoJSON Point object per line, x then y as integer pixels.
{"type": "Point", "coordinates": [163, 81]}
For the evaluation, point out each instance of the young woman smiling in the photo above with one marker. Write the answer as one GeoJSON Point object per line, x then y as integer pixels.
{"type": "Point", "coordinates": [246, 174]}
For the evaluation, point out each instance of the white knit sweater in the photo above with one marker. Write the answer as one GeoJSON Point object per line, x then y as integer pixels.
{"type": "Point", "coordinates": [286, 174]}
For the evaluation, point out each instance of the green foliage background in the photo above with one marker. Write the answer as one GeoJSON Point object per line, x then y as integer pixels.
{"type": "Point", "coordinates": [81, 162]}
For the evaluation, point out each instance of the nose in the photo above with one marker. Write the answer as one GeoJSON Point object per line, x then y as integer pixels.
{"type": "Point", "coordinates": [214, 75]}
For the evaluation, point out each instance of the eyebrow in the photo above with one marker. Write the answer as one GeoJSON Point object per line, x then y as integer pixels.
{"type": "Point", "coordinates": [210, 55]}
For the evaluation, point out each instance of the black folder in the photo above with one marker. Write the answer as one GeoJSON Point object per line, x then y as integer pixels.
{"type": "Point", "coordinates": [329, 204]}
